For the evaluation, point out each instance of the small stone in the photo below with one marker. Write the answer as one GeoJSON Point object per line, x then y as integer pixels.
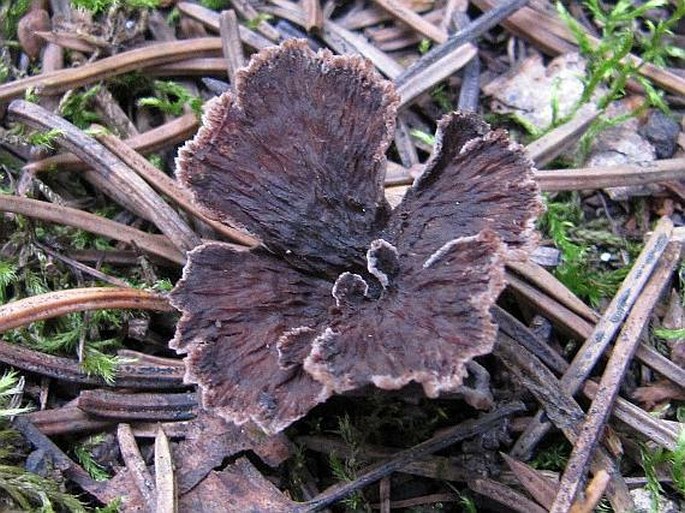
{"type": "Point", "coordinates": [662, 131]}
{"type": "Point", "coordinates": [605, 257]}
{"type": "Point", "coordinates": [546, 256]}
{"type": "Point", "coordinates": [643, 502]}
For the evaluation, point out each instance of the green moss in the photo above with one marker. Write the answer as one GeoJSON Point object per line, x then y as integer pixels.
{"type": "Point", "coordinates": [580, 268]}
{"type": "Point", "coordinates": [171, 98]}
{"type": "Point", "coordinates": [10, 14]}
{"type": "Point", "coordinates": [99, 6]}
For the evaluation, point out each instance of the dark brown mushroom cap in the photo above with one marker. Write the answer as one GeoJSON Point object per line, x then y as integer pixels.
{"type": "Point", "coordinates": [425, 326]}
{"type": "Point", "coordinates": [343, 293]}
{"type": "Point", "coordinates": [476, 179]}
{"type": "Point", "coordinates": [297, 157]}
{"type": "Point", "coordinates": [235, 307]}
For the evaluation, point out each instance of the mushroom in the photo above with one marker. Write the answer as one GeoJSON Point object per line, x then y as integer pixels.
{"type": "Point", "coordinates": [343, 291]}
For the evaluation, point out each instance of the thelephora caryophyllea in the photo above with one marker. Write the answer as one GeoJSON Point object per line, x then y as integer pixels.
{"type": "Point", "coordinates": [343, 291]}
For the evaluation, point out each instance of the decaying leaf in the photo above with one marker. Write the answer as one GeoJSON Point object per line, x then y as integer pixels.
{"type": "Point", "coordinates": [240, 488]}
{"type": "Point", "coordinates": [532, 91]}
{"type": "Point", "coordinates": [343, 291]}
{"type": "Point", "coordinates": [210, 439]}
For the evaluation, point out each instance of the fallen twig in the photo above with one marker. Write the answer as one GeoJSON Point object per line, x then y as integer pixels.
{"type": "Point", "coordinates": [540, 487]}
{"type": "Point", "coordinates": [155, 244]}
{"type": "Point", "coordinates": [62, 302]}
{"type": "Point", "coordinates": [128, 375]}
{"type": "Point", "coordinates": [606, 394]}
{"type": "Point", "coordinates": [145, 406]}
{"type": "Point", "coordinates": [313, 15]}
{"type": "Point", "coordinates": [545, 149]}
{"type": "Point", "coordinates": [561, 408]}
{"type": "Point", "coordinates": [604, 331]}
{"type": "Point", "coordinates": [498, 492]}
{"type": "Point", "coordinates": [230, 41]}
{"type": "Point", "coordinates": [66, 420]}
{"type": "Point", "coordinates": [110, 174]}
{"type": "Point", "coordinates": [165, 483]}
{"type": "Point", "coordinates": [210, 18]}
{"type": "Point", "coordinates": [163, 136]}
{"type": "Point", "coordinates": [404, 14]}
{"type": "Point", "coordinates": [135, 464]}
{"type": "Point", "coordinates": [467, 34]}
{"type": "Point", "coordinates": [611, 176]}
{"type": "Point", "coordinates": [69, 78]}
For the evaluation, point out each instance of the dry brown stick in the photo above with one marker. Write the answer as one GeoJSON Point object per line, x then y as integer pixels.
{"type": "Point", "coordinates": [230, 40]}
{"type": "Point", "coordinates": [540, 487]}
{"type": "Point", "coordinates": [399, 36]}
{"type": "Point", "coordinates": [117, 282]}
{"type": "Point", "coordinates": [114, 177]}
{"type": "Point", "coordinates": [384, 490]}
{"type": "Point", "coordinates": [553, 35]}
{"type": "Point", "coordinates": [586, 178]}
{"type": "Point", "coordinates": [547, 282]}
{"type": "Point", "coordinates": [68, 41]}
{"type": "Point", "coordinates": [148, 359]}
{"type": "Point", "coordinates": [135, 464]}
{"type": "Point", "coordinates": [652, 428]}
{"type": "Point", "coordinates": [344, 41]}
{"type": "Point", "coordinates": [593, 494]}
{"type": "Point", "coordinates": [210, 19]}
{"type": "Point", "coordinates": [513, 500]}
{"type": "Point", "coordinates": [168, 186]}
{"type": "Point", "coordinates": [155, 244]}
{"type": "Point", "coordinates": [404, 144]}
{"type": "Point", "coordinates": [545, 149]}
{"type": "Point", "coordinates": [511, 326]}
{"type": "Point", "coordinates": [247, 11]}
{"type": "Point", "coordinates": [313, 15]}
{"type": "Point", "coordinates": [427, 78]}
{"type": "Point", "coordinates": [59, 460]}
{"type": "Point", "coordinates": [437, 467]}
{"type": "Point", "coordinates": [633, 416]}
{"type": "Point", "coordinates": [561, 408]}
{"type": "Point", "coordinates": [374, 15]}
{"type": "Point", "coordinates": [658, 362]}
{"type": "Point", "coordinates": [165, 482]}
{"type": "Point", "coordinates": [466, 34]}
{"type": "Point", "coordinates": [620, 358]}
{"type": "Point", "coordinates": [401, 12]}
{"type": "Point", "coordinates": [611, 176]}
{"type": "Point", "coordinates": [66, 369]}
{"type": "Point", "coordinates": [339, 39]}
{"type": "Point", "coordinates": [112, 256]}
{"type": "Point", "coordinates": [66, 420]}
{"type": "Point", "coordinates": [642, 422]}
{"type": "Point", "coordinates": [555, 311]}
{"type": "Point", "coordinates": [169, 134]}
{"type": "Point", "coordinates": [152, 55]}
{"type": "Point", "coordinates": [423, 500]}
{"type": "Point", "coordinates": [581, 327]}
{"type": "Point", "coordinates": [200, 67]}
{"type": "Point", "coordinates": [142, 406]}
{"type": "Point", "coordinates": [595, 345]}
{"type": "Point", "coordinates": [62, 302]}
